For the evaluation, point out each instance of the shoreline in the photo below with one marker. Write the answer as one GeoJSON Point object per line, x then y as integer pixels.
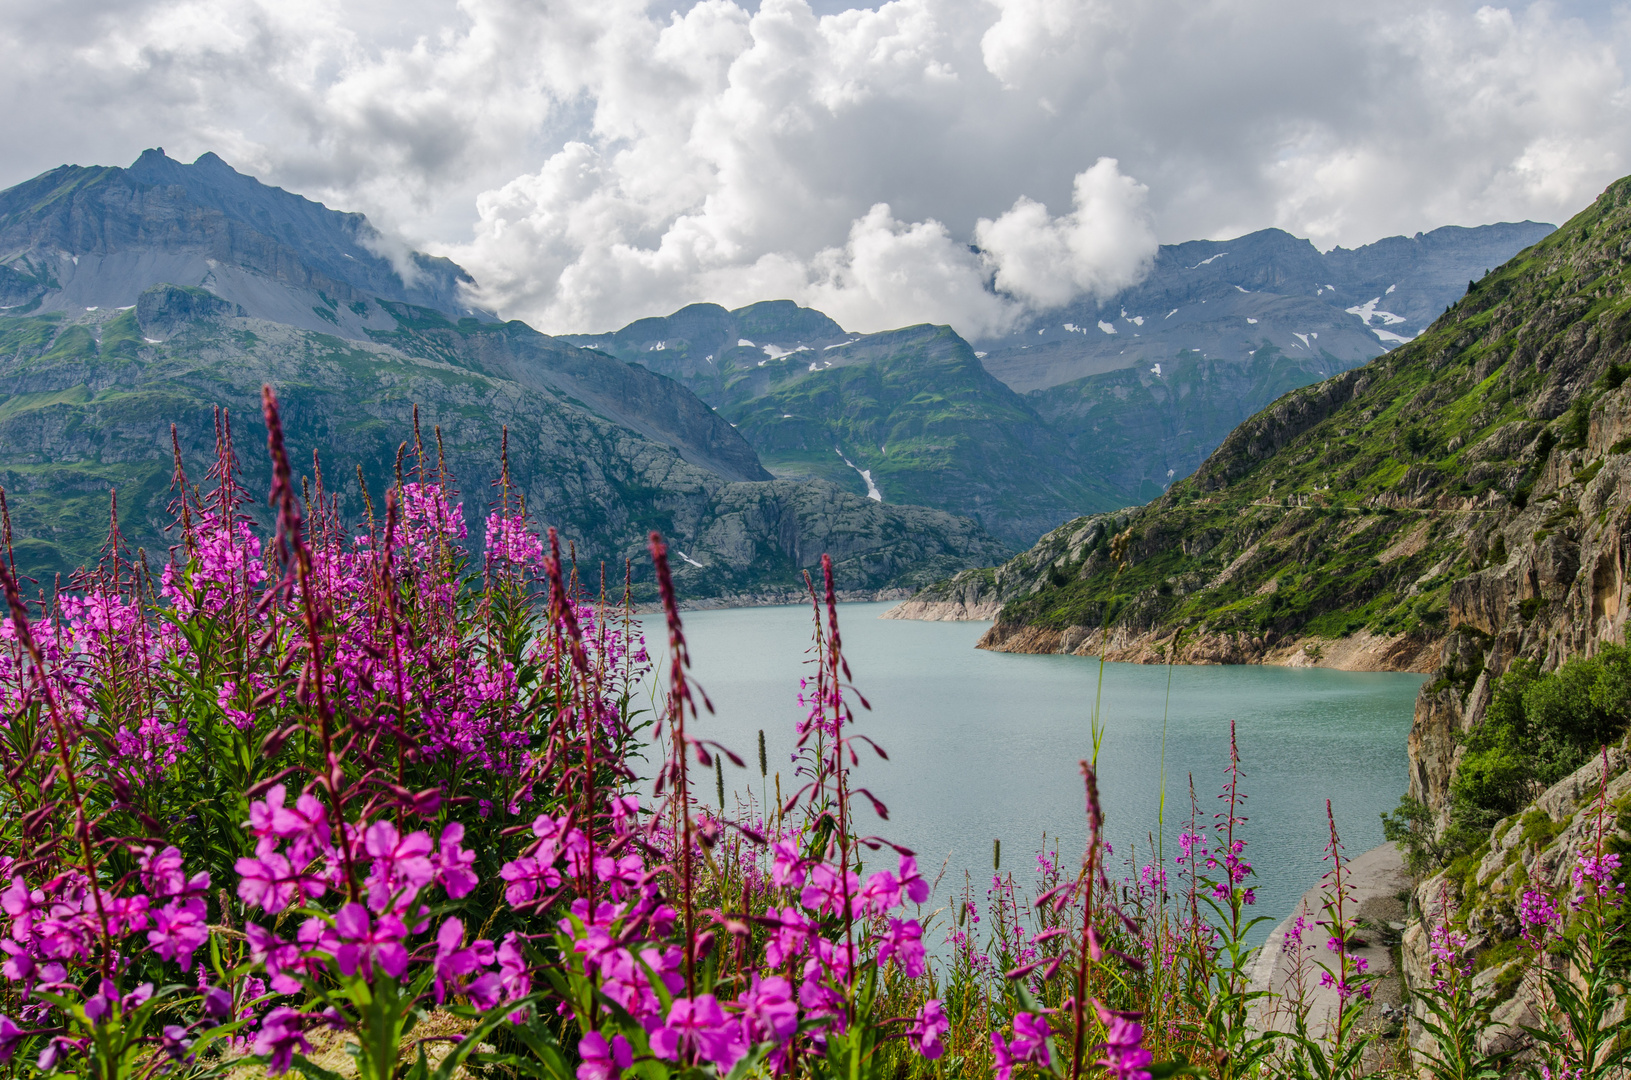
{"type": "Point", "coordinates": [1376, 878]}
{"type": "Point", "coordinates": [1361, 651]}
{"type": "Point", "coordinates": [731, 601]}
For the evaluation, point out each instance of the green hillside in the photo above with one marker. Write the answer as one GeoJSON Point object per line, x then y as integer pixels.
{"type": "Point", "coordinates": [1359, 503]}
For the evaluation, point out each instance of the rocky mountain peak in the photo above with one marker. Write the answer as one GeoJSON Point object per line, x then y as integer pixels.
{"type": "Point", "coordinates": [79, 238]}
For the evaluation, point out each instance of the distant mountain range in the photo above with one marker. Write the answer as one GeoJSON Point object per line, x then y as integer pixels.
{"type": "Point", "coordinates": [134, 298]}
{"type": "Point", "coordinates": [757, 437]}
{"type": "Point", "coordinates": [1267, 290]}
{"type": "Point", "coordinates": [1090, 409]}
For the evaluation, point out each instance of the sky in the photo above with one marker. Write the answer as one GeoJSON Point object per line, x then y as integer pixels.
{"type": "Point", "coordinates": [961, 161]}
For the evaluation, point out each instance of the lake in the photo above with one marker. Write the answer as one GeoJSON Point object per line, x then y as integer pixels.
{"type": "Point", "coordinates": [985, 745]}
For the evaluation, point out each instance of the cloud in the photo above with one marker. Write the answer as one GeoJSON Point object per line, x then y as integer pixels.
{"type": "Point", "coordinates": [888, 267]}
{"type": "Point", "coordinates": [592, 163]}
{"type": "Point", "coordinates": [1101, 247]}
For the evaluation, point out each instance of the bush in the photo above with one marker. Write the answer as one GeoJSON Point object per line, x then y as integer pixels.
{"type": "Point", "coordinates": [1538, 729]}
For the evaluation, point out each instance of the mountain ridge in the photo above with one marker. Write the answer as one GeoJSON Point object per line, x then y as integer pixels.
{"type": "Point", "coordinates": [949, 425]}
{"type": "Point", "coordinates": [905, 416]}
{"type": "Point", "coordinates": [87, 406]}
{"type": "Point", "coordinates": [134, 297]}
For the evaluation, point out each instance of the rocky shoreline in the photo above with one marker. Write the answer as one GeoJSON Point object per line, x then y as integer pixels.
{"type": "Point", "coordinates": [1360, 651]}
{"type": "Point", "coordinates": [1379, 893]}
{"type": "Point", "coordinates": [945, 610]}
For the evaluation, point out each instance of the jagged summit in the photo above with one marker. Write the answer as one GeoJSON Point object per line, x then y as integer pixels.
{"type": "Point", "coordinates": [1264, 294]}
{"type": "Point", "coordinates": [86, 237]}
{"type": "Point", "coordinates": [694, 342]}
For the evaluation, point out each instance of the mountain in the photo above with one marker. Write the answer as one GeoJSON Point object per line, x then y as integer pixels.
{"type": "Point", "coordinates": [905, 416]}
{"type": "Point", "coordinates": [141, 296]}
{"type": "Point", "coordinates": [1230, 299]}
{"type": "Point", "coordinates": [1145, 385]}
{"type": "Point", "coordinates": [77, 238]}
{"type": "Point", "coordinates": [1090, 408]}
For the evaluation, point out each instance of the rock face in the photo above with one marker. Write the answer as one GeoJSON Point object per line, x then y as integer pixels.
{"type": "Point", "coordinates": [164, 309]}
{"type": "Point", "coordinates": [1536, 847]}
{"type": "Point", "coordinates": [968, 596]}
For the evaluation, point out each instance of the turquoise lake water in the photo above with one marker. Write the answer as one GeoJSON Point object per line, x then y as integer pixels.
{"type": "Point", "coordinates": [985, 745]}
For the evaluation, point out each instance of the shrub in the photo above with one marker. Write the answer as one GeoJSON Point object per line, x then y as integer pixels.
{"type": "Point", "coordinates": [1538, 729]}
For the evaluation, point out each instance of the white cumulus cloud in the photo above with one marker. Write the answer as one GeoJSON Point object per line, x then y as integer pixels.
{"type": "Point", "coordinates": [1102, 246]}
{"type": "Point", "coordinates": [592, 163]}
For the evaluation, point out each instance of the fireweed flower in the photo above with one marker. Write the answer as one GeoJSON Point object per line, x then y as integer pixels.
{"type": "Point", "coordinates": [926, 1028]}
{"type": "Point", "coordinates": [768, 1010]}
{"type": "Point", "coordinates": [697, 1028]}
{"type": "Point", "coordinates": [1537, 914]}
{"type": "Point", "coordinates": [1599, 870]}
{"type": "Point", "coordinates": [1187, 843]}
{"type": "Point", "coordinates": [1029, 1045]}
{"type": "Point", "coordinates": [400, 864]}
{"type": "Point", "coordinates": [279, 1037]}
{"type": "Point", "coordinates": [913, 884]}
{"type": "Point", "coordinates": [1446, 946]}
{"type": "Point", "coordinates": [510, 541]}
{"type": "Point", "coordinates": [10, 1035]}
{"type": "Point", "coordinates": [365, 943]}
{"type": "Point", "coordinates": [455, 965]}
{"type": "Point", "coordinates": [1343, 989]}
{"type": "Point", "coordinates": [904, 945]}
{"type": "Point", "coordinates": [1294, 935]}
{"type": "Point", "coordinates": [1124, 1053]}
{"type": "Point", "coordinates": [791, 934]}
{"type": "Point", "coordinates": [603, 1060]}
{"type": "Point", "coordinates": [826, 889]}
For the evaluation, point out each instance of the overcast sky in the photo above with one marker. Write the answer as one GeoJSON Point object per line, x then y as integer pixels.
{"type": "Point", "coordinates": [960, 161]}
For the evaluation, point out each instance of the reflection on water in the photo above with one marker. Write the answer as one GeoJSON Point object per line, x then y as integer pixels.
{"type": "Point", "coordinates": [985, 746]}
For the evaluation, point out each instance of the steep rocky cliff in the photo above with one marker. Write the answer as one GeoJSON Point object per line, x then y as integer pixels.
{"type": "Point", "coordinates": [1481, 893]}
